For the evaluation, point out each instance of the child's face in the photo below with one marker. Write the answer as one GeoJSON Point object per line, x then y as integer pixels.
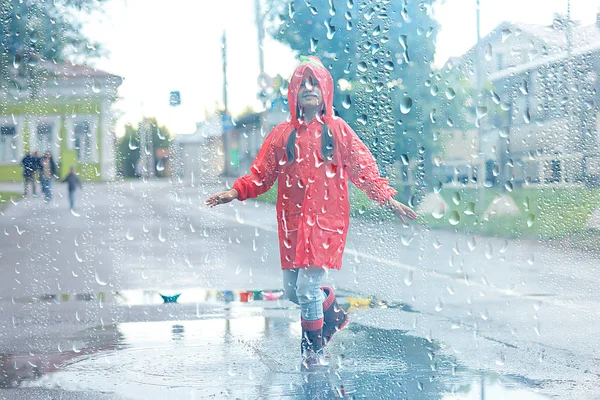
{"type": "Point", "coordinates": [309, 95]}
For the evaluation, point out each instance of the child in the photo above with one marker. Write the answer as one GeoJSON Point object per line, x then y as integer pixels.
{"type": "Point", "coordinates": [313, 155]}
{"type": "Point", "coordinates": [73, 181]}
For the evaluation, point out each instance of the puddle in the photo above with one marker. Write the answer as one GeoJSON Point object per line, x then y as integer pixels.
{"type": "Point", "coordinates": [256, 357]}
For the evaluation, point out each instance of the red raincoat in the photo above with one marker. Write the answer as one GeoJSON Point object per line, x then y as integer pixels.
{"type": "Point", "coordinates": [312, 201]}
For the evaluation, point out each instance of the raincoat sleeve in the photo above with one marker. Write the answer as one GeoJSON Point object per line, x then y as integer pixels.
{"type": "Point", "coordinates": [362, 168]}
{"type": "Point", "coordinates": [263, 171]}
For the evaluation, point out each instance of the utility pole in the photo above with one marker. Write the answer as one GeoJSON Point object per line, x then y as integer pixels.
{"type": "Point", "coordinates": [225, 110]}
{"type": "Point", "coordinates": [261, 37]}
{"type": "Point", "coordinates": [481, 169]}
{"type": "Point", "coordinates": [262, 77]}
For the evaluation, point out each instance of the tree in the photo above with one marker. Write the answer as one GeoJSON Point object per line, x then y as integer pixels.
{"type": "Point", "coordinates": [129, 148]}
{"type": "Point", "coordinates": [381, 50]}
{"type": "Point", "coordinates": [34, 31]}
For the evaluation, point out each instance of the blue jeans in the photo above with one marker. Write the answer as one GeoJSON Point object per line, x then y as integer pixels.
{"type": "Point", "coordinates": [72, 199]}
{"type": "Point", "coordinates": [47, 188]}
{"type": "Point", "coordinates": [302, 287]}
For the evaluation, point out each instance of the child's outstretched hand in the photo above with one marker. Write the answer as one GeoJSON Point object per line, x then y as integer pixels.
{"type": "Point", "coordinates": [221, 198]}
{"type": "Point", "coordinates": [400, 210]}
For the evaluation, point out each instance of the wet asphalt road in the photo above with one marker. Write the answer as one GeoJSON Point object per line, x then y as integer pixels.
{"type": "Point", "coordinates": [517, 316]}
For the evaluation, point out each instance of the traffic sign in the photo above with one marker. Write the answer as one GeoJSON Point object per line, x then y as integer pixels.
{"type": "Point", "coordinates": [175, 98]}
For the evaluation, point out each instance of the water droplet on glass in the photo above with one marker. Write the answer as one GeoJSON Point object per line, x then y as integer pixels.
{"type": "Point", "coordinates": [406, 239]}
{"type": "Point", "coordinates": [98, 280]}
{"type": "Point", "coordinates": [530, 219]}
{"type": "Point", "coordinates": [481, 111]}
{"type": "Point", "coordinates": [434, 90]}
{"type": "Point", "coordinates": [132, 146]}
{"type": "Point", "coordinates": [488, 52]}
{"type": "Point", "coordinates": [403, 40]}
{"type": "Point", "coordinates": [450, 93]}
{"type": "Point", "coordinates": [404, 159]}
{"type": "Point", "coordinates": [505, 34]}
{"type": "Point", "coordinates": [456, 198]}
{"type": "Point", "coordinates": [439, 211]}
{"type": "Point", "coordinates": [238, 216]}
{"type": "Point", "coordinates": [96, 86]}
{"type": "Point", "coordinates": [362, 66]}
{"type": "Point", "coordinates": [471, 243]}
{"type": "Point", "coordinates": [470, 209]}
{"type": "Point", "coordinates": [489, 251]}
{"type": "Point", "coordinates": [362, 119]}
{"type": "Point", "coordinates": [17, 61]}
{"type": "Point", "coordinates": [161, 237]}
{"type": "Point", "coordinates": [389, 66]}
{"type": "Point", "coordinates": [527, 116]}
{"type": "Point", "coordinates": [524, 87]}
{"type": "Point", "coordinates": [313, 45]}
{"type": "Point", "coordinates": [440, 305]}
{"type": "Point", "coordinates": [406, 105]}
{"type": "Point", "coordinates": [408, 279]}
{"type": "Point", "coordinates": [330, 29]}
{"type": "Point", "coordinates": [347, 102]}
{"type": "Point", "coordinates": [79, 259]}
{"type": "Point", "coordinates": [508, 186]}
{"type": "Point", "coordinates": [454, 218]}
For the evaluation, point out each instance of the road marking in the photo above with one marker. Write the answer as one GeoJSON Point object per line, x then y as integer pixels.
{"type": "Point", "coordinates": [506, 292]}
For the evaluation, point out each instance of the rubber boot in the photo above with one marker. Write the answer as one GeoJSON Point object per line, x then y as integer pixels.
{"type": "Point", "coordinates": [312, 344]}
{"type": "Point", "coordinates": [334, 317]}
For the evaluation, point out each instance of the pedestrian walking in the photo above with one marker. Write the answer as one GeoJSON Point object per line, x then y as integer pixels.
{"type": "Point", "coordinates": [38, 169]}
{"type": "Point", "coordinates": [48, 171]}
{"type": "Point", "coordinates": [29, 167]}
{"type": "Point", "coordinates": [73, 183]}
{"type": "Point", "coordinates": [312, 155]}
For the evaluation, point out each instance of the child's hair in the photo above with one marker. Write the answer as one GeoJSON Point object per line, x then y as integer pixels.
{"type": "Point", "coordinates": [326, 141]}
{"type": "Point", "coordinates": [326, 145]}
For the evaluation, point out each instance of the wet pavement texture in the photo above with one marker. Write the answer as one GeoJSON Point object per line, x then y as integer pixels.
{"type": "Point", "coordinates": [433, 312]}
{"type": "Point", "coordinates": [249, 351]}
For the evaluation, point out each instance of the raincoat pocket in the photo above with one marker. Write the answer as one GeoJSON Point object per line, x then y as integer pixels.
{"type": "Point", "coordinates": [289, 224]}
{"type": "Point", "coordinates": [331, 223]}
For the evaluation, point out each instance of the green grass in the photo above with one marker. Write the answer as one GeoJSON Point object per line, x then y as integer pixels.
{"type": "Point", "coordinates": [5, 198]}
{"type": "Point", "coordinates": [544, 213]}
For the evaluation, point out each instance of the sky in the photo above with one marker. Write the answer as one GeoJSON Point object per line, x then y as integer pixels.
{"type": "Point", "coordinates": [162, 46]}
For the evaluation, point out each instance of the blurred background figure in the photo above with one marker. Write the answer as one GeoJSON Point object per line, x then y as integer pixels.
{"type": "Point", "coordinates": [47, 173]}
{"type": "Point", "coordinates": [29, 167]}
{"type": "Point", "coordinates": [37, 169]}
{"type": "Point", "coordinates": [73, 181]}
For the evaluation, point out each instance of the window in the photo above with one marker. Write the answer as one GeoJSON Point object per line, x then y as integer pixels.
{"type": "Point", "coordinates": [44, 137]}
{"type": "Point", "coordinates": [8, 145]}
{"type": "Point", "coordinates": [83, 141]}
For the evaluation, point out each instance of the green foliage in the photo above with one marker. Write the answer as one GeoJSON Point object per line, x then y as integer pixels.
{"type": "Point", "coordinates": [32, 31]}
{"type": "Point", "coordinates": [130, 144]}
{"type": "Point", "coordinates": [545, 213]}
{"type": "Point", "coordinates": [407, 40]}
{"type": "Point", "coordinates": [5, 198]}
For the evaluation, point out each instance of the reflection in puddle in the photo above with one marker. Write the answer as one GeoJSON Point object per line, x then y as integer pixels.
{"type": "Point", "coordinates": [258, 357]}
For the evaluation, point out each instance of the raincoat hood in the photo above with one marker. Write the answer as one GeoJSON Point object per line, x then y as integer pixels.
{"type": "Point", "coordinates": [325, 81]}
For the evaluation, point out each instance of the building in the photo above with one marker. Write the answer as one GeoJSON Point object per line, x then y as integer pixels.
{"type": "Point", "coordinates": [536, 122]}
{"type": "Point", "coordinates": [201, 153]}
{"type": "Point", "coordinates": [69, 115]}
